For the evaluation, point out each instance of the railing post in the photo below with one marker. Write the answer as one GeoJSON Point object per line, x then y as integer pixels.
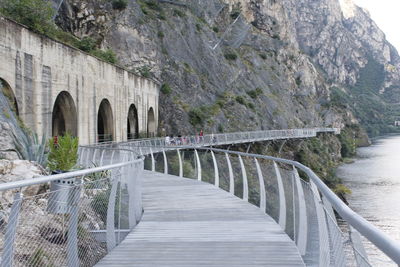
{"type": "Point", "coordinates": [131, 176]}
{"type": "Point", "coordinates": [87, 158]}
{"type": "Point", "coordinates": [198, 165]}
{"type": "Point", "coordinates": [101, 157]}
{"type": "Point", "coordinates": [245, 183]}
{"type": "Point", "coordinates": [180, 163]}
{"type": "Point", "coordinates": [335, 240]}
{"type": "Point", "coordinates": [282, 199]}
{"type": "Point", "coordinates": [11, 229]}
{"type": "Point", "coordinates": [231, 180]}
{"type": "Point", "coordinates": [110, 233]}
{"type": "Point", "coordinates": [72, 236]}
{"type": "Point", "coordinates": [263, 200]}
{"type": "Point", "coordinates": [324, 248]}
{"type": "Point", "coordinates": [358, 248]}
{"type": "Point", "coordinates": [165, 162]}
{"type": "Point", "coordinates": [303, 226]}
{"type": "Point", "coordinates": [216, 173]}
{"type": "Point", "coordinates": [153, 162]}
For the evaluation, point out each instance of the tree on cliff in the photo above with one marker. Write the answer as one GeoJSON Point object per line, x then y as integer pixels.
{"type": "Point", "coordinates": [35, 14]}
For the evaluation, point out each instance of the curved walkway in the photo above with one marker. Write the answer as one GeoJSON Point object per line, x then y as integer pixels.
{"type": "Point", "coordinates": [190, 223]}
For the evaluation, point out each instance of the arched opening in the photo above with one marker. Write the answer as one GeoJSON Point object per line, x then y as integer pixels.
{"type": "Point", "coordinates": [133, 123]}
{"type": "Point", "coordinates": [64, 118]}
{"type": "Point", "coordinates": [9, 94]}
{"type": "Point", "coordinates": [151, 123]}
{"type": "Point", "coordinates": [105, 122]}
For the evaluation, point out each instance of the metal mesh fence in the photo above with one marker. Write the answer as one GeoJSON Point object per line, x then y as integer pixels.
{"type": "Point", "coordinates": [73, 220]}
{"type": "Point", "coordinates": [297, 205]}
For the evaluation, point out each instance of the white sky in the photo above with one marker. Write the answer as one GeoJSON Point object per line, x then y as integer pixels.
{"type": "Point", "coordinates": [386, 14]}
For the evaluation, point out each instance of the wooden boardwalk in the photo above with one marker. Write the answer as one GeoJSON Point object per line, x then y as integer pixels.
{"type": "Point", "coordinates": [190, 223]}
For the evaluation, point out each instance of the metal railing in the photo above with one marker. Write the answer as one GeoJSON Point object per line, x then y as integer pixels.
{"type": "Point", "coordinates": [73, 218]}
{"type": "Point", "coordinates": [224, 138]}
{"type": "Point", "coordinates": [304, 207]}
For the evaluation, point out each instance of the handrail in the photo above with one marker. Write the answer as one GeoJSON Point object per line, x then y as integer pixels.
{"type": "Point", "coordinates": [384, 242]}
{"type": "Point", "coordinates": [61, 176]}
{"type": "Point", "coordinates": [230, 137]}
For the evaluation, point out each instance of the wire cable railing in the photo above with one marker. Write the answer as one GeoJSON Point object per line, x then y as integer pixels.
{"type": "Point", "coordinates": [304, 207]}
{"type": "Point", "coordinates": [222, 138]}
{"type": "Point", "coordinates": [73, 218]}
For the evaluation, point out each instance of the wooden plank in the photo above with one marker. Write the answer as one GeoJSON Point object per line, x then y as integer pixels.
{"type": "Point", "coordinates": [190, 223]}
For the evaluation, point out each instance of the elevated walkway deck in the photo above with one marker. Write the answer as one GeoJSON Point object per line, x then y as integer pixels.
{"type": "Point", "coordinates": [190, 223]}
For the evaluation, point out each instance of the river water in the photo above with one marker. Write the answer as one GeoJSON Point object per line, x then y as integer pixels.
{"type": "Point", "coordinates": [374, 179]}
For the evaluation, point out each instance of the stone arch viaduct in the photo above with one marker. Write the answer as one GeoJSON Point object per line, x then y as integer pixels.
{"type": "Point", "coordinates": [61, 89]}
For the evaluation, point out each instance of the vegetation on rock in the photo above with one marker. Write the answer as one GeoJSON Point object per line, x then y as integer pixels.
{"type": "Point", "coordinates": [63, 155]}
{"type": "Point", "coordinates": [119, 4]}
{"type": "Point", "coordinates": [35, 14]}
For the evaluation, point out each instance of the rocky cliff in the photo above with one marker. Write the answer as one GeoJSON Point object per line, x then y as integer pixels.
{"type": "Point", "coordinates": [245, 65]}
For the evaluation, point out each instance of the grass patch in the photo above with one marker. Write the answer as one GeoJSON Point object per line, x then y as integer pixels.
{"type": "Point", "coordinates": [178, 13]}
{"type": "Point", "coordinates": [240, 99]}
{"type": "Point", "coordinates": [255, 93]}
{"type": "Point", "coordinates": [119, 4]}
{"type": "Point", "coordinates": [165, 89]}
{"type": "Point", "coordinates": [230, 56]}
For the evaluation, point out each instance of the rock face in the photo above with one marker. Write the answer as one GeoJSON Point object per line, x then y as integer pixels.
{"type": "Point", "coordinates": [280, 64]}
{"type": "Point", "coordinates": [11, 133]}
{"type": "Point", "coordinates": [16, 170]}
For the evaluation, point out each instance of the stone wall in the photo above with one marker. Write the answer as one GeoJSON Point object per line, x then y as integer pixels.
{"type": "Point", "coordinates": [38, 69]}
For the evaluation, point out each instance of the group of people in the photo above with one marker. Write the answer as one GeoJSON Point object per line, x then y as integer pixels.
{"type": "Point", "coordinates": [179, 140]}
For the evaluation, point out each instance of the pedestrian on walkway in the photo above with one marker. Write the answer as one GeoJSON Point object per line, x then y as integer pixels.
{"type": "Point", "coordinates": [201, 136]}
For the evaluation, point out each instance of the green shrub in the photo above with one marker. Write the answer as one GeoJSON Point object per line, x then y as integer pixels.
{"type": "Point", "coordinates": [235, 14]}
{"type": "Point", "coordinates": [263, 56]}
{"type": "Point", "coordinates": [178, 13]}
{"type": "Point", "coordinates": [144, 71]}
{"type": "Point", "coordinates": [250, 105]}
{"type": "Point", "coordinates": [348, 143]}
{"type": "Point", "coordinates": [160, 34]}
{"type": "Point", "coordinates": [215, 29]}
{"type": "Point", "coordinates": [255, 93]}
{"type": "Point", "coordinates": [161, 15]}
{"type": "Point", "coordinates": [35, 14]}
{"type": "Point", "coordinates": [198, 27]}
{"type": "Point", "coordinates": [63, 155]}
{"type": "Point", "coordinates": [144, 10]}
{"type": "Point", "coordinates": [108, 55]}
{"type": "Point", "coordinates": [87, 44]}
{"type": "Point", "coordinates": [119, 4]}
{"type": "Point", "coordinates": [240, 100]}
{"type": "Point", "coordinates": [153, 4]}
{"type": "Point", "coordinates": [197, 116]}
{"type": "Point", "coordinates": [276, 36]}
{"type": "Point", "coordinates": [341, 189]}
{"type": "Point", "coordinates": [230, 56]}
{"type": "Point", "coordinates": [165, 89]}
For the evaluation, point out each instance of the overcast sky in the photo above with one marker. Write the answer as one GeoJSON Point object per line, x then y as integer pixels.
{"type": "Point", "coordinates": [386, 13]}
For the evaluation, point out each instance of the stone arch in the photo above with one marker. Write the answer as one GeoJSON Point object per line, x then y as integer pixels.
{"type": "Point", "coordinates": [151, 123]}
{"type": "Point", "coordinates": [64, 117]}
{"type": "Point", "coordinates": [9, 93]}
{"type": "Point", "coordinates": [105, 122]}
{"type": "Point", "coordinates": [133, 123]}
